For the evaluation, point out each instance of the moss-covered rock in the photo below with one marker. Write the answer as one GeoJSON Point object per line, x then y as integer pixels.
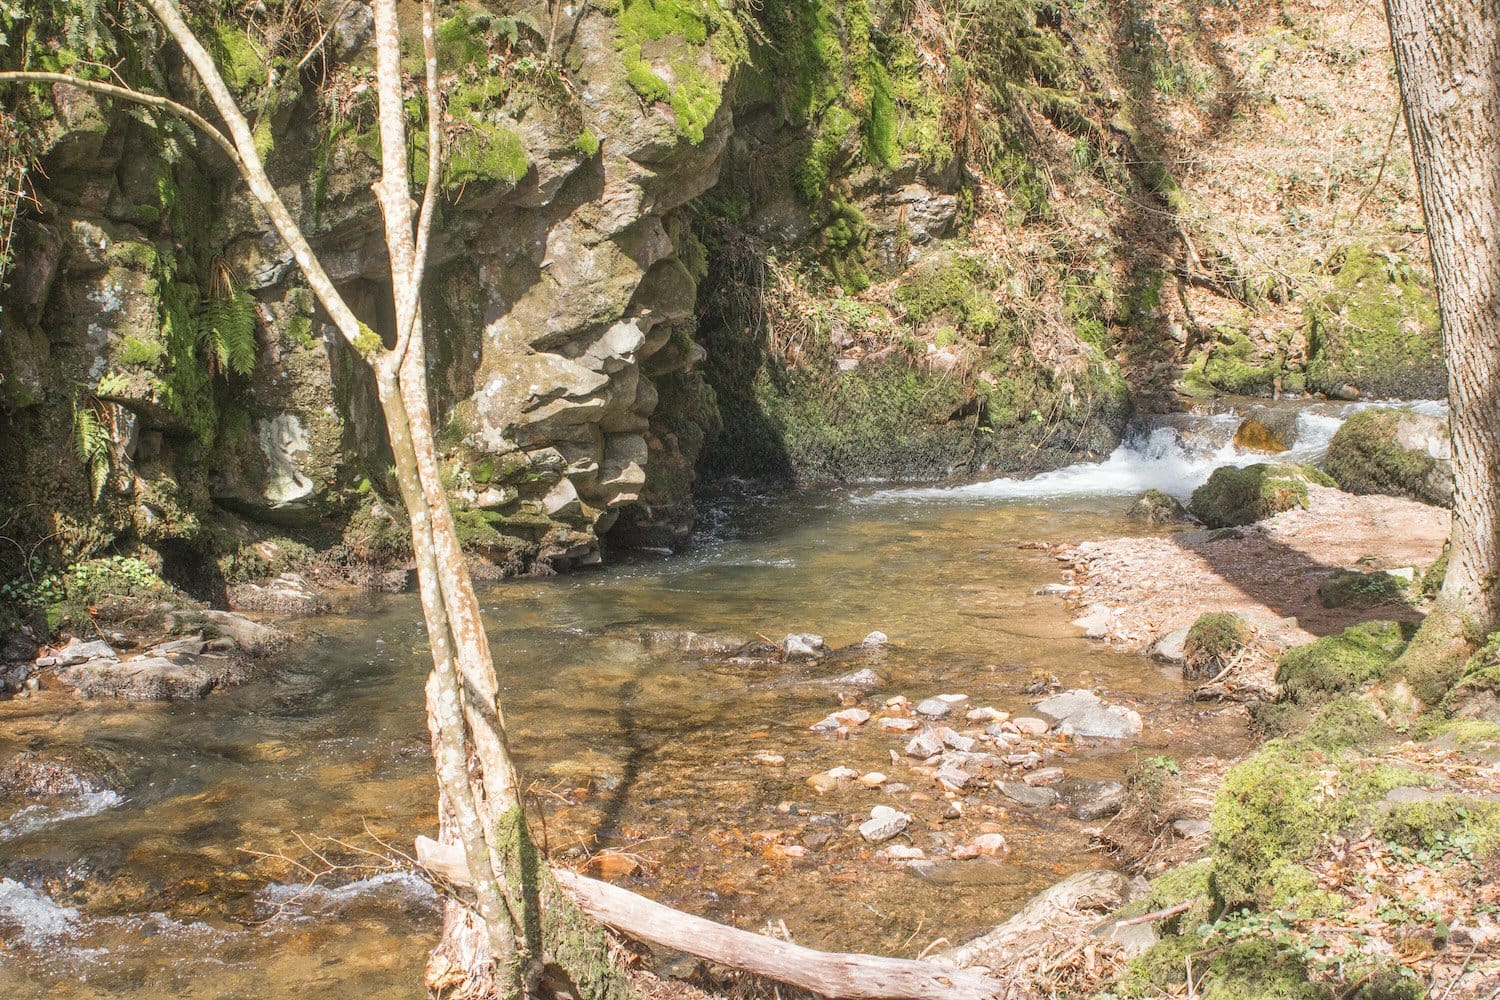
{"type": "Point", "coordinates": [1248, 969]}
{"type": "Point", "coordinates": [1347, 721]}
{"type": "Point", "coordinates": [1347, 588]}
{"type": "Point", "coordinates": [1375, 329]}
{"type": "Point", "coordinates": [1395, 452]}
{"type": "Point", "coordinates": [1339, 663]}
{"type": "Point", "coordinates": [1212, 643]}
{"type": "Point", "coordinates": [1238, 496]}
{"type": "Point", "coordinates": [1155, 508]}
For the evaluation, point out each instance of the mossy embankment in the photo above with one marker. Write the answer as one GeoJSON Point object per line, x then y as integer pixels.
{"type": "Point", "coordinates": [1317, 841]}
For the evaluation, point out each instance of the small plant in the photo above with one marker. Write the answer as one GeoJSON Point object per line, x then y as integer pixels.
{"type": "Point", "coordinates": [92, 437]}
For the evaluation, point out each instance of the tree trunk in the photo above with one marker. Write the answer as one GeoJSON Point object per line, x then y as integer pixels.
{"type": "Point", "coordinates": [1448, 66]}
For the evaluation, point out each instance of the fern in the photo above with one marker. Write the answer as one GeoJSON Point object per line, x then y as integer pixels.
{"type": "Point", "coordinates": [113, 384]}
{"type": "Point", "coordinates": [227, 325]}
{"type": "Point", "coordinates": [91, 438]}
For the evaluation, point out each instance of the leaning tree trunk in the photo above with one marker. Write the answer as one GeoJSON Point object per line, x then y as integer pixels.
{"type": "Point", "coordinates": [1448, 65]}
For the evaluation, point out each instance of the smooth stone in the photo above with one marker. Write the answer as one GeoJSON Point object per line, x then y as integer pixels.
{"type": "Point", "coordinates": [1044, 776]}
{"type": "Point", "coordinates": [934, 708]}
{"type": "Point", "coordinates": [1026, 795]}
{"type": "Point", "coordinates": [875, 640]}
{"type": "Point", "coordinates": [1172, 647]}
{"type": "Point", "coordinates": [1092, 800]}
{"type": "Point", "coordinates": [802, 646]}
{"type": "Point", "coordinates": [1191, 829]}
{"type": "Point", "coordinates": [1031, 727]}
{"type": "Point", "coordinates": [883, 824]}
{"type": "Point", "coordinates": [899, 725]}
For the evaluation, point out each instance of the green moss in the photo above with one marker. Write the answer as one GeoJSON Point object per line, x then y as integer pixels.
{"type": "Point", "coordinates": [1232, 365]}
{"type": "Point", "coordinates": [1213, 641]}
{"type": "Point", "coordinates": [485, 153]}
{"type": "Point", "coordinates": [138, 351]}
{"type": "Point", "coordinates": [1249, 969]}
{"type": "Point", "coordinates": [1440, 823]}
{"type": "Point", "coordinates": [1347, 588]}
{"type": "Point", "coordinates": [1432, 579]}
{"type": "Point", "coordinates": [1376, 328]}
{"type": "Point", "coordinates": [1155, 508]}
{"type": "Point", "coordinates": [1340, 663]}
{"type": "Point", "coordinates": [1186, 883]}
{"type": "Point", "coordinates": [1274, 810]}
{"type": "Point", "coordinates": [1365, 457]}
{"type": "Point", "coordinates": [1238, 496]}
{"type": "Point", "coordinates": [239, 62]}
{"type": "Point", "coordinates": [682, 30]}
{"type": "Point", "coordinates": [1345, 722]}
{"type": "Point", "coordinates": [954, 286]}
{"type": "Point", "coordinates": [587, 143]}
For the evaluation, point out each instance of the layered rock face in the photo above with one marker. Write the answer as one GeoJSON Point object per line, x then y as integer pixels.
{"type": "Point", "coordinates": [559, 305]}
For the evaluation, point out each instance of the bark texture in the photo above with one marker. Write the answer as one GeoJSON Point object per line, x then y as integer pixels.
{"type": "Point", "coordinates": [1448, 64]}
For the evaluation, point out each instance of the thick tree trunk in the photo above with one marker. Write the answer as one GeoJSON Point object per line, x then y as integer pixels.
{"type": "Point", "coordinates": [1448, 64]}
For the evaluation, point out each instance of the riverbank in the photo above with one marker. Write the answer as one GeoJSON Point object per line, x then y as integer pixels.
{"type": "Point", "coordinates": [1355, 852]}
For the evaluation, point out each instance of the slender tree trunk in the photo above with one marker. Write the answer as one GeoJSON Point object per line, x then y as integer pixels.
{"type": "Point", "coordinates": [1448, 65]}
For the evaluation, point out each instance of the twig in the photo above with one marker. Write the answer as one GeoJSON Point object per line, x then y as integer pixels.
{"type": "Point", "coordinates": [1147, 918]}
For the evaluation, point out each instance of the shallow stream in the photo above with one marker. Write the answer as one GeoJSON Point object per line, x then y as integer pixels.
{"type": "Point", "coordinates": [180, 885]}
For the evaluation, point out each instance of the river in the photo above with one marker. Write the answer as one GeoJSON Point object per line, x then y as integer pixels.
{"type": "Point", "coordinates": [182, 884]}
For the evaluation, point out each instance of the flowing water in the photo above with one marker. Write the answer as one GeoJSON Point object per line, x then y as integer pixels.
{"type": "Point", "coordinates": [182, 884]}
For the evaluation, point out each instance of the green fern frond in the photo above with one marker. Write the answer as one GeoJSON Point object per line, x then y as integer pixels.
{"type": "Point", "coordinates": [92, 441]}
{"type": "Point", "coordinates": [227, 325]}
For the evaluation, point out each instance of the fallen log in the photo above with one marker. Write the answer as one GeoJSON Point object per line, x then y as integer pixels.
{"type": "Point", "coordinates": [837, 975]}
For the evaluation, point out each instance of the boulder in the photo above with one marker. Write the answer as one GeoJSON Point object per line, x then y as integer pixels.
{"type": "Point", "coordinates": [1083, 713]}
{"type": "Point", "coordinates": [178, 677]}
{"type": "Point", "coordinates": [1154, 507]}
{"type": "Point", "coordinates": [1238, 496]}
{"type": "Point", "coordinates": [1394, 452]}
{"type": "Point", "coordinates": [1091, 800]}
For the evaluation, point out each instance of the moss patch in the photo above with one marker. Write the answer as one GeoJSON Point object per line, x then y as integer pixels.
{"type": "Point", "coordinates": [1339, 663]}
{"type": "Point", "coordinates": [1212, 642]}
{"type": "Point", "coordinates": [1375, 328]}
{"type": "Point", "coordinates": [1347, 588]}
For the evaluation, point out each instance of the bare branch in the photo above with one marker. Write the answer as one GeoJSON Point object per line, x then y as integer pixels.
{"type": "Point", "coordinates": [135, 96]}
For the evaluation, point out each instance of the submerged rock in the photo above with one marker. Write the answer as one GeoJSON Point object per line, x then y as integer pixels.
{"type": "Point", "coordinates": [1154, 507]}
{"type": "Point", "coordinates": [287, 594]}
{"type": "Point", "coordinates": [1083, 713]}
{"type": "Point", "coordinates": [802, 646]}
{"type": "Point", "coordinates": [182, 676]}
{"type": "Point", "coordinates": [1091, 800]}
{"type": "Point", "coordinates": [1026, 795]}
{"type": "Point", "coordinates": [50, 773]}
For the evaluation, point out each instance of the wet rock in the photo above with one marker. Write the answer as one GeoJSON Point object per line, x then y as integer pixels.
{"type": "Point", "coordinates": [1095, 622]}
{"type": "Point", "coordinates": [1067, 591]}
{"type": "Point", "coordinates": [924, 745]}
{"type": "Point", "coordinates": [77, 650]}
{"type": "Point", "coordinates": [255, 638]}
{"type": "Point", "coordinates": [842, 719]}
{"type": "Point", "coordinates": [1170, 647]}
{"type": "Point", "coordinates": [802, 646]}
{"type": "Point", "coordinates": [1044, 776]}
{"type": "Point", "coordinates": [872, 780]}
{"type": "Point", "coordinates": [287, 594]}
{"type": "Point", "coordinates": [985, 845]}
{"type": "Point", "coordinates": [181, 677]}
{"type": "Point", "coordinates": [50, 773]}
{"type": "Point", "coordinates": [770, 759]}
{"type": "Point", "coordinates": [1026, 795]}
{"type": "Point", "coordinates": [692, 642]}
{"type": "Point", "coordinates": [865, 679]}
{"type": "Point", "coordinates": [1092, 800]}
{"type": "Point", "coordinates": [1154, 507]}
{"type": "Point", "coordinates": [883, 824]}
{"type": "Point", "coordinates": [902, 852]}
{"type": "Point", "coordinates": [875, 640]}
{"type": "Point", "coordinates": [1083, 713]}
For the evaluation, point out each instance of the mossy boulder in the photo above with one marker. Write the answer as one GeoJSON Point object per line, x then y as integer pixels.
{"type": "Point", "coordinates": [1375, 330]}
{"type": "Point", "coordinates": [1212, 643]}
{"type": "Point", "coordinates": [1232, 364]}
{"type": "Point", "coordinates": [1238, 496]}
{"type": "Point", "coordinates": [1154, 507]}
{"type": "Point", "coordinates": [1347, 588]}
{"type": "Point", "coordinates": [1394, 452]}
{"type": "Point", "coordinates": [1246, 969]}
{"type": "Point", "coordinates": [1339, 663]}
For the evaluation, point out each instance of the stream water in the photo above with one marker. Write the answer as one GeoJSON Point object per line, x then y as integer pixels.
{"type": "Point", "coordinates": [178, 886]}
